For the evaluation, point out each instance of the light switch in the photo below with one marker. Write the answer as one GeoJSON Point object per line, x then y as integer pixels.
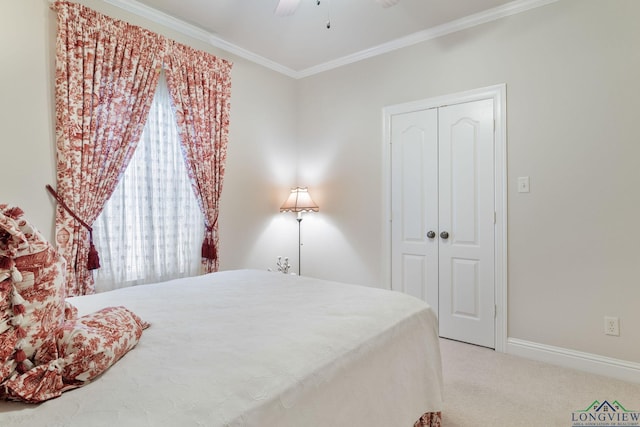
{"type": "Point", "coordinates": [523, 184]}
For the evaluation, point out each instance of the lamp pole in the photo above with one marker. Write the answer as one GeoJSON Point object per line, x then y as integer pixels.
{"type": "Point", "coordinates": [299, 219]}
{"type": "Point", "coordinates": [299, 201]}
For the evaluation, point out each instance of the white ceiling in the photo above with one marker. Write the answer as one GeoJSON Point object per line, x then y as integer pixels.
{"type": "Point", "coordinates": [300, 44]}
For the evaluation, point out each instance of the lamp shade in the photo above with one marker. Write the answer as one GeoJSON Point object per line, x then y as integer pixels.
{"type": "Point", "coordinates": [299, 201]}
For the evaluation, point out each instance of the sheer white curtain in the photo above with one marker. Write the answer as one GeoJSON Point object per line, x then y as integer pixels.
{"type": "Point", "coordinates": [151, 228]}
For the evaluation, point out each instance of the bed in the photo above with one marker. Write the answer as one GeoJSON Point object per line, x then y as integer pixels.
{"type": "Point", "coordinates": [256, 348]}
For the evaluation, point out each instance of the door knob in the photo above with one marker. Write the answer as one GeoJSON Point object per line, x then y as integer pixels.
{"type": "Point", "coordinates": [431, 234]}
{"type": "Point", "coordinates": [444, 235]}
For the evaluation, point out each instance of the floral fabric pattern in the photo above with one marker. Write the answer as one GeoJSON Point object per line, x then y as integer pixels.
{"type": "Point", "coordinates": [106, 74]}
{"type": "Point", "coordinates": [33, 295]}
{"type": "Point", "coordinates": [85, 348]}
{"type": "Point", "coordinates": [429, 419]}
{"type": "Point", "coordinates": [200, 88]}
{"type": "Point", "coordinates": [44, 348]}
{"type": "Point", "coordinates": [92, 343]}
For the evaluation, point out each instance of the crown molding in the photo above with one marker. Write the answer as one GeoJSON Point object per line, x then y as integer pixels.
{"type": "Point", "coordinates": [243, 53]}
{"type": "Point", "coordinates": [511, 8]}
{"type": "Point", "coordinates": [198, 33]}
{"type": "Point", "coordinates": [161, 18]}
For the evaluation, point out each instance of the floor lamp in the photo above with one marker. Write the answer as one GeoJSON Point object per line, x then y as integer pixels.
{"type": "Point", "coordinates": [299, 201]}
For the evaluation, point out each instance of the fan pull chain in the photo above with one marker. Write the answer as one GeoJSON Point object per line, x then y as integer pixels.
{"type": "Point", "coordinates": [328, 12]}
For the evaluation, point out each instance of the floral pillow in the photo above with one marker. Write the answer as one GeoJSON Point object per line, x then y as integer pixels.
{"type": "Point", "coordinates": [87, 347]}
{"type": "Point", "coordinates": [33, 295]}
{"type": "Point", "coordinates": [45, 349]}
{"type": "Point", "coordinates": [91, 344]}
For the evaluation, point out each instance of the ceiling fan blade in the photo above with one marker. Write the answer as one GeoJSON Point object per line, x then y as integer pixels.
{"type": "Point", "coordinates": [286, 7]}
{"type": "Point", "coordinates": [387, 3]}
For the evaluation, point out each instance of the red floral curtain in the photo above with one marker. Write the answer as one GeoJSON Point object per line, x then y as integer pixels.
{"type": "Point", "coordinates": [106, 75]}
{"type": "Point", "coordinates": [200, 89]}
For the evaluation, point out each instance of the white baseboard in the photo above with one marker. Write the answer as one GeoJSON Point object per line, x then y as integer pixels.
{"type": "Point", "coordinates": [592, 363]}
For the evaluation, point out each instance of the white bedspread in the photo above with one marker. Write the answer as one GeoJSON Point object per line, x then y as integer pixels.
{"type": "Point", "coordinates": [252, 348]}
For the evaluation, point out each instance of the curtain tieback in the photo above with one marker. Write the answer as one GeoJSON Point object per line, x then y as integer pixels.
{"type": "Point", "coordinates": [93, 261]}
{"type": "Point", "coordinates": [208, 245]}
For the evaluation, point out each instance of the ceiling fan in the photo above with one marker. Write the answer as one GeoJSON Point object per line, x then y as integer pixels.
{"type": "Point", "coordinates": [288, 7]}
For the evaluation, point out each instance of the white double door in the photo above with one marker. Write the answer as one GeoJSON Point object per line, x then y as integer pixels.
{"type": "Point", "coordinates": [443, 215]}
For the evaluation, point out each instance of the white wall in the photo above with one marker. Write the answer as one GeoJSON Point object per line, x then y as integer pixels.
{"type": "Point", "coordinates": [261, 154]}
{"type": "Point", "coordinates": [261, 166]}
{"type": "Point", "coordinates": [26, 108]}
{"type": "Point", "coordinates": [571, 70]}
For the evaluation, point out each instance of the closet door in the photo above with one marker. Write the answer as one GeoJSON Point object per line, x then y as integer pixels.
{"type": "Point", "coordinates": [442, 219]}
{"type": "Point", "coordinates": [414, 204]}
{"type": "Point", "coordinates": [466, 215]}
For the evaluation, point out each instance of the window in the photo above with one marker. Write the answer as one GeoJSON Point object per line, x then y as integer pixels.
{"type": "Point", "coordinates": [151, 228]}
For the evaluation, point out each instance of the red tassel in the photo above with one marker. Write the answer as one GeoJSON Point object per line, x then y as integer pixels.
{"type": "Point", "coordinates": [205, 249]}
{"type": "Point", "coordinates": [6, 263]}
{"type": "Point", "coordinates": [20, 356]}
{"type": "Point", "coordinates": [94, 259]}
{"type": "Point", "coordinates": [18, 309]}
{"type": "Point", "coordinates": [209, 249]}
{"type": "Point", "coordinates": [20, 332]}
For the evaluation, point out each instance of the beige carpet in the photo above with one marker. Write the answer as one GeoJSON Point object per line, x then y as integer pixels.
{"type": "Point", "coordinates": [485, 388]}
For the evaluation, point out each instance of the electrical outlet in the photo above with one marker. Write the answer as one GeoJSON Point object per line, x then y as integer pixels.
{"type": "Point", "coordinates": [612, 326]}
